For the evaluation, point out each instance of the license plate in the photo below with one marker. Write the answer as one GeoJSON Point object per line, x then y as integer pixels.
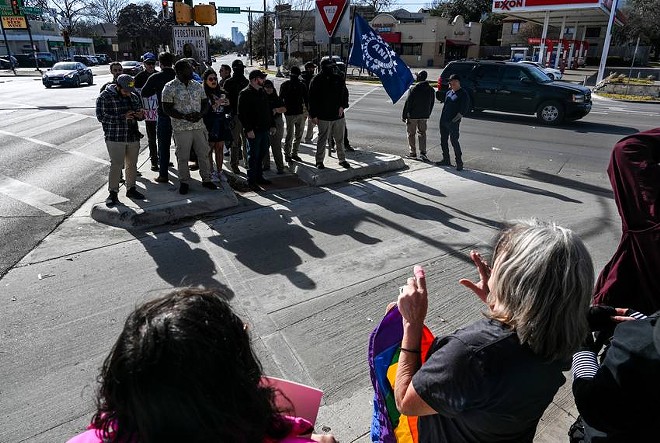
{"type": "Point", "coordinates": [55, 82]}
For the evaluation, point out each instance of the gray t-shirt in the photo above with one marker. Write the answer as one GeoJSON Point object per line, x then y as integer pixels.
{"type": "Point", "coordinates": [485, 386]}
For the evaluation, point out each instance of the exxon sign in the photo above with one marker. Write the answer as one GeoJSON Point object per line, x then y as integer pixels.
{"type": "Point", "coordinates": [507, 5]}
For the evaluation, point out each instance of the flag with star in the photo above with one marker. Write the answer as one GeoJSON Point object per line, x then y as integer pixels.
{"type": "Point", "coordinates": [371, 52]}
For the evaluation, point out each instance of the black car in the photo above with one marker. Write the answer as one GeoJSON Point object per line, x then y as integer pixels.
{"type": "Point", "coordinates": [68, 74]}
{"type": "Point", "coordinates": [8, 62]}
{"type": "Point", "coordinates": [85, 60]}
{"type": "Point", "coordinates": [132, 67]}
{"type": "Point", "coordinates": [517, 88]}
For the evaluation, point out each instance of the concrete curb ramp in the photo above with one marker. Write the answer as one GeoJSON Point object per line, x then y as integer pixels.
{"type": "Point", "coordinates": [161, 208]}
{"type": "Point", "coordinates": [363, 164]}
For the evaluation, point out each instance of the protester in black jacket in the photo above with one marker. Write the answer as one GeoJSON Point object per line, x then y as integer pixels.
{"type": "Point", "coordinates": [277, 108]}
{"type": "Point", "coordinates": [254, 114]}
{"type": "Point", "coordinates": [307, 76]}
{"type": "Point", "coordinates": [234, 85]}
{"type": "Point", "coordinates": [293, 93]}
{"type": "Point", "coordinates": [416, 112]}
{"type": "Point", "coordinates": [149, 62]}
{"type": "Point", "coordinates": [328, 97]}
{"type": "Point", "coordinates": [456, 105]}
{"type": "Point", "coordinates": [154, 85]}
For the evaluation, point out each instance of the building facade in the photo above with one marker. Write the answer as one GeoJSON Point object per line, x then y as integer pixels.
{"type": "Point", "coordinates": [46, 38]}
{"type": "Point", "coordinates": [422, 40]}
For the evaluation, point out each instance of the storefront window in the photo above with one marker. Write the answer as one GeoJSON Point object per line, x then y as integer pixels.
{"type": "Point", "coordinates": [441, 48]}
{"type": "Point", "coordinates": [411, 49]}
{"type": "Point", "coordinates": [515, 27]}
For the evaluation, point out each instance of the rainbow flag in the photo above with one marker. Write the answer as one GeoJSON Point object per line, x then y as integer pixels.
{"type": "Point", "coordinates": [387, 424]}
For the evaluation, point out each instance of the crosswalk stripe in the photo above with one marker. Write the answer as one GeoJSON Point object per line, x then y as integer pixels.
{"type": "Point", "coordinates": [31, 195]}
{"type": "Point", "coordinates": [57, 124]}
{"type": "Point", "coordinates": [59, 148]}
{"type": "Point", "coordinates": [33, 140]}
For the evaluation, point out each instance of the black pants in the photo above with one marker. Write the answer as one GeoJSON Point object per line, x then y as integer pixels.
{"type": "Point", "coordinates": [151, 137]}
{"type": "Point", "coordinates": [450, 131]}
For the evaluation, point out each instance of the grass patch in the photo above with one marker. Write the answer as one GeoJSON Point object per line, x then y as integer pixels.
{"type": "Point", "coordinates": [629, 97]}
{"type": "Point", "coordinates": [631, 81]}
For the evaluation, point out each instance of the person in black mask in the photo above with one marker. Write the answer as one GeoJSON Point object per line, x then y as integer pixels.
{"type": "Point", "coordinates": [234, 85]}
{"type": "Point", "coordinates": [293, 93]}
{"type": "Point", "coordinates": [328, 97]}
{"type": "Point", "coordinates": [307, 76]}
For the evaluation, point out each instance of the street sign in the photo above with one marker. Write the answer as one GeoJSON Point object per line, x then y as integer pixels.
{"type": "Point", "coordinates": [229, 9]}
{"type": "Point", "coordinates": [31, 10]}
{"type": "Point", "coordinates": [195, 37]}
{"type": "Point", "coordinates": [331, 12]}
{"type": "Point", "coordinates": [14, 22]}
{"type": "Point", "coordinates": [6, 10]}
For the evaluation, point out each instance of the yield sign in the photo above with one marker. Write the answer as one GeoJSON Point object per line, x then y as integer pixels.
{"type": "Point", "coordinates": [331, 12]}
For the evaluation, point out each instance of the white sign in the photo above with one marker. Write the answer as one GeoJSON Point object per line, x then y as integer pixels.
{"type": "Point", "coordinates": [277, 34]}
{"type": "Point", "coordinates": [196, 37]}
{"type": "Point", "coordinates": [150, 106]}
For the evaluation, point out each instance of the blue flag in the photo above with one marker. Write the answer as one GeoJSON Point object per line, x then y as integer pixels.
{"type": "Point", "coordinates": [371, 52]}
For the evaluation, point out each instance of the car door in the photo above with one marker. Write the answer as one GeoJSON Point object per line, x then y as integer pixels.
{"type": "Point", "coordinates": [485, 82]}
{"type": "Point", "coordinates": [518, 90]}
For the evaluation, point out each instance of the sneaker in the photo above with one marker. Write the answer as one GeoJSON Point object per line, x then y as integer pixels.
{"type": "Point", "coordinates": [209, 185]}
{"type": "Point", "coordinates": [138, 174]}
{"type": "Point", "coordinates": [194, 167]}
{"type": "Point", "coordinates": [254, 187]}
{"type": "Point", "coordinates": [154, 168]}
{"type": "Point", "coordinates": [263, 181]}
{"type": "Point", "coordinates": [215, 177]}
{"type": "Point", "coordinates": [183, 188]}
{"type": "Point", "coordinates": [459, 166]}
{"type": "Point", "coordinates": [345, 164]}
{"type": "Point", "coordinates": [160, 179]}
{"type": "Point", "coordinates": [112, 199]}
{"type": "Point", "coordinates": [296, 157]}
{"type": "Point", "coordinates": [443, 162]}
{"type": "Point", "coordinates": [411, 156]}
{"type": "Point", "coordinates": [320, 166]}
{"type": "Point", "coordinates": [134, 194]}
{"type": "Point", "coordinates": [235, 169]}
{"type": "Point", "coordinates": [349, 148]}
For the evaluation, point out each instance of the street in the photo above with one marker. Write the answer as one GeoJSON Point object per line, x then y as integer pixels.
{"type": "Point", "coordinates": [310, 269]}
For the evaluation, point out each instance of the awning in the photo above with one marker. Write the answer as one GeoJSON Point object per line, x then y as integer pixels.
{"type": "Point", "coordinates": [459, 42]}
{"type": "Point", "coordinates": [390, 37]}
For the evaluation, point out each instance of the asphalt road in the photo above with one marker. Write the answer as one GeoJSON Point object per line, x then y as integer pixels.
{"type": "Point", "coordinates": [53, 156]}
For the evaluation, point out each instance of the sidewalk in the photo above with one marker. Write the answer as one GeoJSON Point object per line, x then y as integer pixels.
{"type": "Point", "coordinates": [22, 72]}
{"type": "Point", "coordinates": [311, 269]}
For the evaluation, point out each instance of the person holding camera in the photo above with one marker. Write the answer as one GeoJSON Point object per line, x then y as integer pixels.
{"type": "Point", "coordinates": [119, 108]}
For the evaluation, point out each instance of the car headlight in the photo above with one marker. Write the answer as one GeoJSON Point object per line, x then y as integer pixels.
{"type": "Point", "coordinates": [578, 98]}
{"type": "Point", "coordinates": [69, 75]}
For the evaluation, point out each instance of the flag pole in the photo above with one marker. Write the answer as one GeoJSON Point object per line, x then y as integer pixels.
{"type": "Point", "coordinates": [350, 36]}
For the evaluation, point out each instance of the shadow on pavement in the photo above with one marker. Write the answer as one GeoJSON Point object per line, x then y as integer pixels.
{"type": "Point", "coordinates": [586, 127]}
{"type": "Point", "coordinates": [544, 177]}
{"type": "Point", "coordinates": [500, 182]}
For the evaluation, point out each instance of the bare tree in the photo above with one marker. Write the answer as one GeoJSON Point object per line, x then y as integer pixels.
{"type": "Point", "coordinates": [377, 5]}
{"type": "Point", "coordinates": [106, 11]}
{"type": "Point", "coordinates": [67, 12]}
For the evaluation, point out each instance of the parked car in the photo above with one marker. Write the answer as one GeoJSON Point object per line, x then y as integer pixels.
{"type": "Point", "coordinates": [132, 67]}
{"type": "Point", "coordinates": [517, 88]}
{"type": "Point", "coordinates": [103, 59]}
{"type": "Point", "coordinates": [94, 60]}
{"type": "Point", "coordinates": [44, 59]}
{"type": "Point", "coordinates": [84, 59]}
{"type": "Point", "coordinates": [68, 74]}
{"type": "Point", "coordinates": [8, 62]}
{"type": "Point", "coordinates": [554, 74]}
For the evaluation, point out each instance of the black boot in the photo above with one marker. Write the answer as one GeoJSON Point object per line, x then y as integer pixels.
{"type": "Point", "coordinates": [459, 164]}
{"type": "Point", "coordinates": [444, 162]}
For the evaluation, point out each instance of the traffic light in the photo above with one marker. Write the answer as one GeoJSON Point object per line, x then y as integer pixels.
{"type": "Point", "coordinates": [182, 13]}
{"type": "Point", "coordinates": [205, 14]}
{"type": "Point", "coordinates": [15, 7]}
{"type": "Point", "coordinates": [166, 13]}
{"type": "Point", "coordinates": [65, 36]}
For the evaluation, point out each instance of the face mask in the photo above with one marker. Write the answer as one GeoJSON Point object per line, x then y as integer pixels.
{"type": "Point", "coordinates": [328, 69]}
{"type": "Point", "coordinates": [239, 71]}
{"type": "Point", "coordinates": [294, 76]}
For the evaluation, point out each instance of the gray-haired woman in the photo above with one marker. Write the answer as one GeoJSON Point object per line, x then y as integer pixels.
{"type": "Point", "coordinates": [492, 380]}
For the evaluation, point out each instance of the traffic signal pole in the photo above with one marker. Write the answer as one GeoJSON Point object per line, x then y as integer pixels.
{"type": "Point", "coordinates": [4, 34]}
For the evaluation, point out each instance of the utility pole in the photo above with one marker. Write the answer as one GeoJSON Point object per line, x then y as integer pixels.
{"type": "Point", "coordinates": [265, 37]}
{"type": "Point", "coordinates": [250, 33]}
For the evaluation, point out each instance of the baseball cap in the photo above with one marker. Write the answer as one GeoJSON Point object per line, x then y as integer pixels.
{"type": "Point", "coordinates": [422, 75]}
{"type": "Point", "coordinates": [257, 73]}
{"type": "Point", "coordinates": [328, 62]}
{"type": "Point", "coordinates": [126, 82]}
{"type": "Point", "coordinates": [237, 64]}
{"type": "Point", "coordinates": [148, 56]}
{"type": "Point", "coordinates": [454, 77]}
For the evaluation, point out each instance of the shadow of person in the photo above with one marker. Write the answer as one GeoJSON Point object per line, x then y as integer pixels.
{"type": "Point", "coordinates": [500, 182]}
{"type": "Point", "coordinates": [544, 177]}
{"type": "Point", "coordinates": [270, 249]}
{"type": "Point", "coordinates": [180, 264]}
{"type": "Point", "coordinates": [402, 180]}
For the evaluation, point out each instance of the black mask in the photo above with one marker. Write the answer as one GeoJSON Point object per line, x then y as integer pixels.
{"type": "Point", "coordinates": [328, 69]}
{"type": "Point", "coordinates": [239, 71]}
{"type": "Point", "coordinates": [294, 77]}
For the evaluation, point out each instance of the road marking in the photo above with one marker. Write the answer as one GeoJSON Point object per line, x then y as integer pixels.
{"type": "Point", "coordinates": [361, 97]}
{"type": "Point", "coordinates": [31, 195]}
{"type": "Point", "coordinates": [50, 145]}
{"type": "Point", "coordinates": [30, 139]}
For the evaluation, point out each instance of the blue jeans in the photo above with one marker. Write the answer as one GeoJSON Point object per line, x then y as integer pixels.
{"type": "Point", "coordinates": [164, 136]}
{"type": "Point", "coordinates": [256, 150]}
{"type": "Point", "coordinates": [449, 130]}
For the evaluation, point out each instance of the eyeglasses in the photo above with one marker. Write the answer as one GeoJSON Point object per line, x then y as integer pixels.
{"type": "Point", "coordinates": [212, 79]}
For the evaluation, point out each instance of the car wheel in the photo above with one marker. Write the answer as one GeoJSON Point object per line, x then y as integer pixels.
{"type": "Point", "coordinates": [550, 113]}
{"type": "Point", "coordinates": [76, 81]}
{"type": "Point", "coordinates": [48, 85]}
{"type": "Point", "coordinates": [552, 76]}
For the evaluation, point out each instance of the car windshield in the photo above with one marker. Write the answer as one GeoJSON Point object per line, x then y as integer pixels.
{"type": "Point", "coordinates": [539, 75]}
{"type": "Point", "coordinates": [64, 67]}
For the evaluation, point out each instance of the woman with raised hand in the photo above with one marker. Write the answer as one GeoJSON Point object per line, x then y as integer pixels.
{"type": "Point", "coordinates": [492, 380]}
{"type": "Point", "coordinates": [215, 122]}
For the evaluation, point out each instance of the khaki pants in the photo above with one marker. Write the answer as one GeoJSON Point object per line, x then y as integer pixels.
{"type": "Point", "coordinates": [122, 153]}
{"type": "Point", "coordinates": [416, 126]}
{"type": "Point", "coordinates": [310, 129]}
{"type": "Point", "coordinates": [334, 129]}
{"type": "Point", "coordinates": [197, 140]}
{"type": "Point", "coordinates": [275, 146]}
{"type": "Point", "coordinates": [238, 143]}
{"type": "Point", "coordinates": [294, 125]}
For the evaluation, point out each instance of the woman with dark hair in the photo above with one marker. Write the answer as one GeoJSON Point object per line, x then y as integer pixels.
{"type": "Point", "coordinates": [215, 121]}
{"type": "Point", "coordinates": [183, 370]}
{"type": "Point", "coordinates": [491, 380]}
{"type": "Point", "coordinates": [276, 127]}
